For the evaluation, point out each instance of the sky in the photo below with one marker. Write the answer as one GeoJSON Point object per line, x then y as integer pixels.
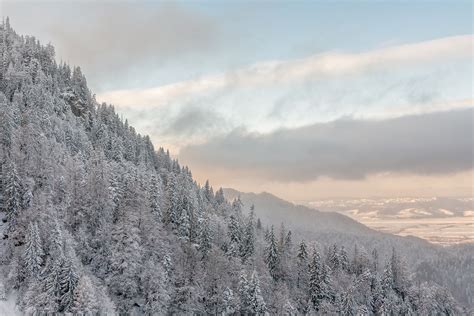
{"type": "Point", "coordinates": [303, 99]}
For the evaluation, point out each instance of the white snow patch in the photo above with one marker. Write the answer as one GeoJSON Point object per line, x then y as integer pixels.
{"type": "Point", "coordinates": [9, 307]}
{"type": "Point", "coordinates": [412, 212]}
{"type": "Point", "coordinates": [469, 213]}
{"type": "Point", "coordinates": [446, 212]}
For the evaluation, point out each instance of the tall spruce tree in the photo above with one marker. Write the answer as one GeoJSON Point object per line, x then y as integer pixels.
{"type": "Point", "coordinates": [33, 255]}
{"type": "Point", "coordinates": [272, 256]}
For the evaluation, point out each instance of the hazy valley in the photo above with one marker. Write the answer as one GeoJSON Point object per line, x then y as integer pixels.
{"type": "Point", "coordinates": [439, 220]}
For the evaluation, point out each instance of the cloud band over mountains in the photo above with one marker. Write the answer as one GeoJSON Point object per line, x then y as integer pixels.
{"type": "Point", "coordinates": [321, 66]}
{"type": "Point", "coordinates": [433, 143]}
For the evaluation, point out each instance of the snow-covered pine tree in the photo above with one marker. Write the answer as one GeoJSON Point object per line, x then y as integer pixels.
{"type": "Point", "coordinates": [184, 225]}
{"type": "Point", "coordinates": [6, 128]}
{"type": "Point", "coordinates": [33, 256]}
{"type": "Point", "coordinates": [245, 294]}
{"type": "Point", "coordinates": [68, 282]}
{"type": "Point", "coordinates": [205, 238]}
{"type": "Point", "coordinates": [301, 265]}
{"type": "Point", "coordinates": [318, 280]}
{"type": "Point", "coordinates": [272, 256]}
{"type": "Point", "coordinates": [84, 301]}
{"type": "Point", "coordinates": [235, 236]}
{"type": "Point", "coordinates": [155, 197]}
{"type": "Point", "coordinates": [400, 277]}
{"type": "Point", "coordinates": [220, 199]}
{"type": "Point", "coordinates": [208, 192]}
{"type": "Point", "coordinates": [13, 194]}
{"type": "Point", "coordinates": [344, 259]}
{"type": "Point", "coordinates": [257, 303]}
{"type": "Point", "coordinates": [334, 260]}
{"type": "Point", "coordinates": [248, 241]}
{"type": "Point", "coordinates": [228, 301]}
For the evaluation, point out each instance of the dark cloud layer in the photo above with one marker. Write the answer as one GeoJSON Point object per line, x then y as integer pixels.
{"type": "Point", "coordinates": [193, 121]}
{"type": "Point", "coordinates": [435, 143]}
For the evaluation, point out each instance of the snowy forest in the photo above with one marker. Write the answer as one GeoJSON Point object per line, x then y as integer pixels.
{"type": "Point", "coordinates": [95, 220]}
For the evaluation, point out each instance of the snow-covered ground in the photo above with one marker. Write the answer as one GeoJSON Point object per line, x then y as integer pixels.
{"type": "Point", "coordinates": [439, 220]}
{"type": "Point", "coordinates": [8, 307]}
{"type": "Point", "coordinates": [446, 231]}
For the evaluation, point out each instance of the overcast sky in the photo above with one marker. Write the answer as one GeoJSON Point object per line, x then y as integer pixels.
{"type": "Point", "coordinates": [305, 100]}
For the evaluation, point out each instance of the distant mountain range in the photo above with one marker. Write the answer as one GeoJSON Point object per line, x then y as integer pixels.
{"type": "Point", "coordinates": [273, 210]}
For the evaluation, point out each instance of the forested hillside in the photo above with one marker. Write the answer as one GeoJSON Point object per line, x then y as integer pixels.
{"type": "Point", "coordinates": [95, 220]}
{"type": "Point", "coordinates": [451, 267]}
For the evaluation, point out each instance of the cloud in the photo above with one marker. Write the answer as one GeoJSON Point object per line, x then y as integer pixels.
{"type": "Point", "coordinates": [193, 120]}
{"type": "Point", "coordinates": [426, 144]}
{"type": "Point", "coordinates": [385, 83]}
{"type": "Point", "coordinates": [115, 38]}
{"type": "Point", "coordinates": [322, 66]}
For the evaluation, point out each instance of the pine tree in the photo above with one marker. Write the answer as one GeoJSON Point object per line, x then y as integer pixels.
{"type": "Point", "coordinates": [349, 304]}
{"type": "Point", "coordinates": [248, 247]}
{"type": "Point", "coordinates": [57, 242]}
{"type": "Point", "coordinates": [375, 260]}
{"type": "Point", "coordinates": [259, 224]}
{"type": "Point", "coordinates": [237, 207]}
{"type": "Point", "coordinates": [272, 257]}
{"type": "Point", "coordinates": [235, 236]}
{"type": "Point", "coordinates": [302, 265]}
{"type": "Point", "coordinates": [85, 300]}
{"type": "Point", "coordinates": [68, 283]}
{"type": "Point", "coordinates": [184, 226]}
{"type": "Point", "coordinates": [228, 301]}
{"type": "Point", "coordinates": [205, 242]}
{"type": "Point", "coordinates": [52, 285]}
{"type": "Point", "coordinates": [257, 303]}
{"type": "Point", "coordinates": [208, 193]}
{"type": "Point", "coordinates": [319, 282]}
{"type": "Point", "coordinates": [220, 199]}
{"type": "Point", "coordinates": [334, 260]}
{"type": "Point", "coordinates": [281, 239]}
{"type": "Point", "coordinates": [7, 126]}
{"type": "Point", "coordinates": [288, 242]}
{"type": "Point", "coordinates": [155, 197]}
{"type": "Point", "coordinates": [33, 255]}
{"type": "Point", "coordinates": [344, 260]}
{"type": "Point", "coordinates": [14, 192]}
{"type": "Point", "coordinates": [155, 287]}
{"type": "Point", "coordinates": [302, 252]}
{"type": "Point", "coordinates": [244, 293]}
{"type": "Point", "coordinates": [399, 275]}
{"type": "Point", "coordinates": [126, 249]}
{"type": "Point", "coordinates": [174, 204]}
{"type": "Point", "coordinates": [168, 266]}
{"type": "Point", "coordinates": [377, 295]}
